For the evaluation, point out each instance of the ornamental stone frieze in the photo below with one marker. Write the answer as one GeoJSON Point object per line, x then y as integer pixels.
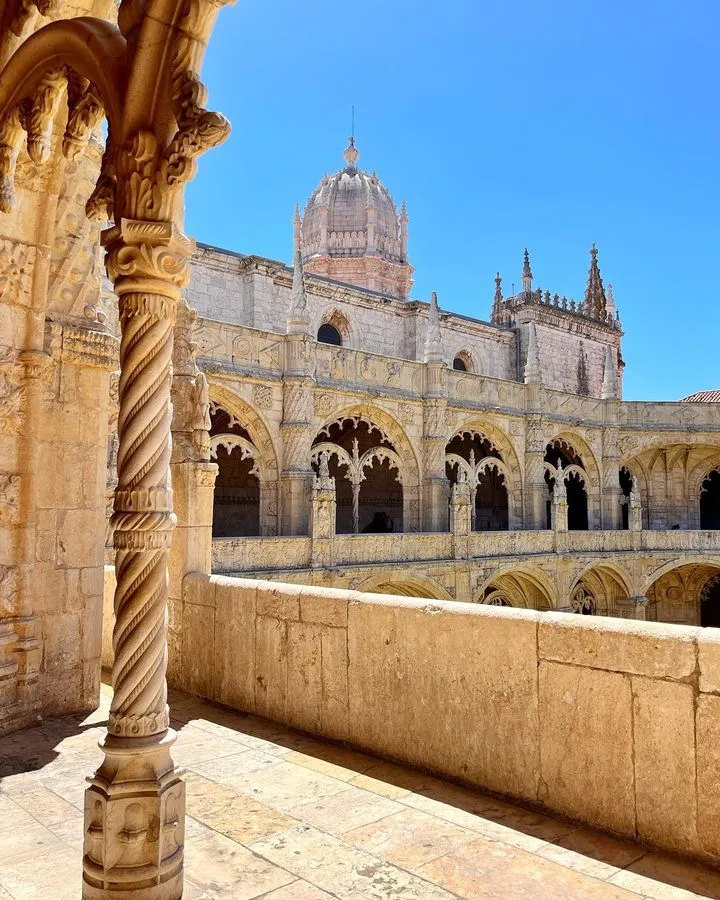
{"type": "Point", "coordinates": [69, 343]}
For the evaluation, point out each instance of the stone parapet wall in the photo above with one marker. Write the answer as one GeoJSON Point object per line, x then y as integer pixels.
{"type": "Point", "coordinates": [259, 553]}
{"type": "Point", "coordinates": [612, 723]}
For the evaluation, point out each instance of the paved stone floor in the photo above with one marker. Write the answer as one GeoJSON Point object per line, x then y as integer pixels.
{"type": "Point", "coordinates": [276, 814]}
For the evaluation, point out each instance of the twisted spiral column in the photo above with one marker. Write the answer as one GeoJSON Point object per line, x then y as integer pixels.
{"type": "Point", "coordinates": [134, 806]}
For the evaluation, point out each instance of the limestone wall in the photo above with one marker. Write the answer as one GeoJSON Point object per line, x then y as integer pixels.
{"type": "Point", "coordinates": [612, 723]}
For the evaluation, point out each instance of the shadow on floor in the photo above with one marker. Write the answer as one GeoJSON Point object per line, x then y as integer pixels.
{"type": "Point", "coordinates": [509, 815]}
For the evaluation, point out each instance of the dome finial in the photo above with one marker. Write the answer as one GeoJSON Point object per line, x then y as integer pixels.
{"type": "Point", "coordinates": [351, 154]}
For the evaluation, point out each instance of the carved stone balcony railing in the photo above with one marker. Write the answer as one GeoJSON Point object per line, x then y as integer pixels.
{"type": "Point", "coordinates": [267, 554]}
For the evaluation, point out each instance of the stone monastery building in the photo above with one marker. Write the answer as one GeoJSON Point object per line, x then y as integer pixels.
{"type": "Point", "coordinates": [448, 431]}
{"type": "Point", "coordinates": [308, 497]}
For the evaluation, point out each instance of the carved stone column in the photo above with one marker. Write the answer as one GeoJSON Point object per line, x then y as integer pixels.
{"type": "Point", "coordinates": [135, 805]}
{"type": "Point", "coordinates": [635, 512]}
{"type": "Point", "coordinates": [461, 506]}
{"type": "Point", "coordinates": [323, 518]}
{"type": "Point", "coordinates": [435, 485]}
{"type": "Point", "coordinates": [297, 433]}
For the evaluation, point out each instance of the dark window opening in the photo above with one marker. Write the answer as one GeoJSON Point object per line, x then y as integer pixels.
{"type": "Point", "coordinates": [328, 334]}
{"type": "Point", "coordinates": [459, 364]}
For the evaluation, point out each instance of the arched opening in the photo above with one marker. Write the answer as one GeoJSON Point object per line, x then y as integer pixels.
{"type": "Point", "coordinates": [710, 501]}
{"type": "Point", "coordinates": [523, 589]}
{"type": "Point", "coordinates": [689, 594]}
{"type": "Point", "coordinates": [328, 334]}
{"type": "Point", "coordinates": [367, 473]}
{"type": "Point", "coordinates": [236, 501]}
{"type": "Point", "coordinates": [710, 602]}
{"type": "Point", "coordinates": [459, 364]}
{"type": "Point", "coordinates": [558, 453]}
{"type": "Point", "coordinates": [600, 591]}
{"type": "Point", "coordinates": [482, 461]}
{"type": "Point", "coordinates": [626, 486]}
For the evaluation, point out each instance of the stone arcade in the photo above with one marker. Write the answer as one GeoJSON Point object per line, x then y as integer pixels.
{"type": "Point", "coordinates": [316, 426]}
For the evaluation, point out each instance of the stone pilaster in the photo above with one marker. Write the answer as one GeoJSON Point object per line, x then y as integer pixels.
{"type": "Point", "coordinates": [297, 433]}
{"type": "Point", "coordinates": [435, 484]}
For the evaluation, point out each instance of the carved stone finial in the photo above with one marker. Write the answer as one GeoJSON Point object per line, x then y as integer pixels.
{"type": "Point", "coordinates": [351, 154]}
{"type": "Point", "coordinates": [595, 300]}
{"type": "Point", "coordinates": [497, 300]}
{"type": "Point", "coordinates": [527, 274]}
{"type": "Point", "coordinates": [298, 320]}
{"type": "Point", "coordinates": [560, 488]}
{"type": "Point", "coordinates": [433, 339]}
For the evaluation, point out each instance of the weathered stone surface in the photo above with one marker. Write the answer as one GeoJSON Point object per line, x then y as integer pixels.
{"type": "Point", "coordinates": [707, 725]}
{"type": "Point", "coordinates": [586, 745]}
{"type": "Point", "coordinates": [482, 669]}
{"type": "Point", "coordinates": [641, 648]}
{"type": "Point", "coordinates": [664, 743]}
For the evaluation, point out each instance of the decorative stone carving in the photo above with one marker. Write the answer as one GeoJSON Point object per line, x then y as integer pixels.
{"type": "Point", "coordinates": [9, 499]}
{"type": "Point", "coordinates": [9, 588]}
{"type": "Point", "coordinates": [16, 265]}
{"type": "Point", "coordinates": [262, 396]}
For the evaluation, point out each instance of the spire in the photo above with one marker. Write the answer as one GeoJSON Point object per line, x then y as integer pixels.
{"type": "Point", "coordinates": [404, 231]}
{"type": "Point", "coordinates": [532, 365]}
{"type": "Point", "coordinates": [298, 320]}
{"type": "Point", "coordinates": [433, 339]}
{"type": "Point", "coordinates": [609, 385]}
{"type": "Point", "coordinates": [595, 300]}
{"type": "Point", "coordinates": [527, 274]}
{"type": "Point", "coordinates": [612, 312]}
{"type": "Point", "coordinates": [497, 300]}
{"type": "Point", "coordinates": [351, 154]}
{"type": "Point", "coordinates": [297, 227]}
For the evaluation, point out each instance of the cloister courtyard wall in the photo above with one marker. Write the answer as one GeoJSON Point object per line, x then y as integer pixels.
{"type": "Point", "coordinates": [569, 713]}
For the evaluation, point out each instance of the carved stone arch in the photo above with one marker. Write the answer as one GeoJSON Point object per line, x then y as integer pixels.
{"type": "Point", "coordinates": [415, 585]}
{"type": "Point", "coordinates": [266, 455]}
{"type": "Point", "coordinates": [524, 586]}
{"type": "Point", "coordinates": [341, 322]}
{"type": "Point", "coordinates": [607, 584]}
{"type": "Point", "coordinates": [581, 447]}
{"type": "Point", "coordinates": [509, 466]}
{"type": "Point", "coordinates": [700, 472]}
{"type": "Point", "coordinates": [467, 359]}
{"type": "Point", "coordinates": [689, 559]}
{"type": "Point", "coordinates": [396, 435]}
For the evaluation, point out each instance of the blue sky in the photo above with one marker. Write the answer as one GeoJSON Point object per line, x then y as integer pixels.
{"type": "Point", "coordinates": [542, 123]}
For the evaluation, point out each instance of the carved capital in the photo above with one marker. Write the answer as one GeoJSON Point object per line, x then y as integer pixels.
{"type": "Point", "coordinates": [149, 259]}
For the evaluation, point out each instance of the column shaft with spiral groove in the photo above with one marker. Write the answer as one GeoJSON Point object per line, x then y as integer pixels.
{"type": "Point", "coordinates": [135, 805]}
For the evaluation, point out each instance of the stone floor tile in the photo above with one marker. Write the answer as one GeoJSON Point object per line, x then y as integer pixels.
{"type": "Point", "coordinates": [320, 764]}
{"type": "Point", "coordinates": [46, 807]}
{"type": "Point", "coordinates": [27, 841]}
{"type": "Point", "coordinates": [344, 811]}
{"type": "Point", "coordinates": [409, 838]}
{"type": "Point", "coordinates": [229, 769]}
{"type": "Point", "coordinates": [235, 815]}
{"type": "Point", "coordinates": [378, 786]}
{"type": "Point", "coordinates": [71, 831]}
{"type": "Point", "coordinates": [344, 871]}
{"type": "Point", "coordinates": [485, 827]}
{"type": "Point", "coordinates": [286, 785]}
{"type": "Point", "coordinates": [490, 869]}
{"type": "Point", "coordinates": [298, 890]}
{"type": "Point", "coordinates": [56, 875]}
{"type": "Point", "coordinates": [12, 815]}
{"type": "Point", "coordinates": [591, 852]}
{"type": "Point", "coordinates": [663, 878]}
{"type": "Point", "coordinates": [225, 870]}
{"type": "Point", "coordinates": [194, 746]}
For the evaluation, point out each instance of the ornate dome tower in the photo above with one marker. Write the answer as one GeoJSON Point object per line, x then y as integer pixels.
{"type": "Point", "coordinates": [351, 231]}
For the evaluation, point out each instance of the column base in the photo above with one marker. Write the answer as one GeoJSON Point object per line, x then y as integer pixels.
{"type": "Point", "coordinates": [135, 822]}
